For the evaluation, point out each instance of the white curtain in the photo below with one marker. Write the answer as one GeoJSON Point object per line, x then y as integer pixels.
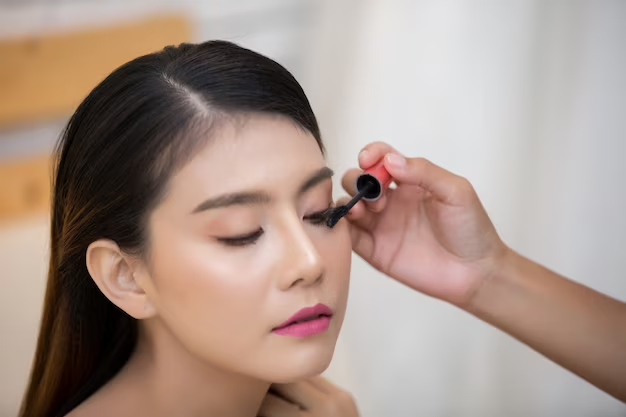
{"type": "Point", "coordinates": [527, 99]}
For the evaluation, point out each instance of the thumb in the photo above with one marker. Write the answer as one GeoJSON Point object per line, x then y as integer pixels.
{"type": "Point", "coordinates": [444, 185]}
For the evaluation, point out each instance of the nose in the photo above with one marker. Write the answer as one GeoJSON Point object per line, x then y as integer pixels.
{"type": "Point", "coordinates": [303, 264]}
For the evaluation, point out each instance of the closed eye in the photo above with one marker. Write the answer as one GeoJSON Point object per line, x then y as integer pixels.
{"type": "Point", "coordinates": [242, 240]}
{"type": "Point", "coordinates": [319, 218]}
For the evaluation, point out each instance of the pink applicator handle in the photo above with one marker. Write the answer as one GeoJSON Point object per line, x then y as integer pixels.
{"type": "Point", "coordinates": [378, 177]}
{"type": "Point", "coordinates": [370, 186]}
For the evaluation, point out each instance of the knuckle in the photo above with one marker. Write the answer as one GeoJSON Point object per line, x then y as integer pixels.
{"type": "Point", "coordinates": [340, 400]}
{"type": "Point", "coordinates": [419, 162]}
{"type": "Point", "coordinates": [345, 397]}
{"type": "Point", "coordinates": [419, 166]}
{"type": "Point", "coordinates": [464, 189]}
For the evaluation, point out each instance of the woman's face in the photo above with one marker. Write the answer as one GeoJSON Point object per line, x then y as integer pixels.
{"type": "Point", "coordinates": [236, 250]}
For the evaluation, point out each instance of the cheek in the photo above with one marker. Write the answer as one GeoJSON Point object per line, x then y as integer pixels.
{"type": "Point", "coordinates": [204, 298]}
{"type": "Point", "coordinates": [336, 252]}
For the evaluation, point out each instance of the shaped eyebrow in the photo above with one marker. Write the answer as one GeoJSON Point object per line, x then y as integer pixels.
{"type": "Point", "coordinates": [260, 197]}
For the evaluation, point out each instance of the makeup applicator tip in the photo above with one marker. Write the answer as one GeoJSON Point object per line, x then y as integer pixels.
{"type": "Point", "coordinates": [336, 215]}
{"type": "Point", "coordinates": [339, 212]}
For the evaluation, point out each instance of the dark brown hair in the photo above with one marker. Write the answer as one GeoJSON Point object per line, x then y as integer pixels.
{"type": "Point", "coordinates": [113, 162]}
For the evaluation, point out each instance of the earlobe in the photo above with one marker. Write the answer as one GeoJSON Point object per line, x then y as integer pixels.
{"type": "Point", "coordinates": [113, 273]}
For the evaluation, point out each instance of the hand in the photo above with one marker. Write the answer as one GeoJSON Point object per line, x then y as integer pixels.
{"type": "Point", "coordinates": [315, 397]}
{"type": "Point", "coordinates": [431, 232]}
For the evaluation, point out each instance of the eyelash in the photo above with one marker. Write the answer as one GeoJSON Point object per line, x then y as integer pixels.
{"type": "Point", "coordinates": [245, 240]}
{"type": "Point", "coordinates": [317, 219]}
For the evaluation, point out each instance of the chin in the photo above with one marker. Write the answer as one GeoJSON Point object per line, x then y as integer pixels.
{"type": "Point", "coordinates": [301, 363]}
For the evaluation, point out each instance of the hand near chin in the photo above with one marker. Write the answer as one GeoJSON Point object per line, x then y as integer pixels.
{"type": "Point", "coordinates": [431, 232]}
{"type": "Point", "coordinates": [315, 397]}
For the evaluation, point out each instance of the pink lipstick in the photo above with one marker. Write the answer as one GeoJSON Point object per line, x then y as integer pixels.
{"type": "Point", "coordinates": [306, 322]}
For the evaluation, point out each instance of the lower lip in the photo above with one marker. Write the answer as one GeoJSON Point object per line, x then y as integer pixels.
{"type": "Point", "coordinates": [304, 329]}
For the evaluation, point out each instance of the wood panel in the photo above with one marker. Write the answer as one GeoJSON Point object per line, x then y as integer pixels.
{"type": "Point", "coordinates": [25, 187]}
{"type": "Point", "coordinates": [48, 76]}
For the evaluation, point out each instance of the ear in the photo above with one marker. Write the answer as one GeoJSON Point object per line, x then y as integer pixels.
{"type": "Point", "coordinates": [113, 273]}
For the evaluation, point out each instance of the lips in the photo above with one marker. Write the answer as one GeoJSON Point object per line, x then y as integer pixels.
{"type": "Point", "coordinates": [306, 322]}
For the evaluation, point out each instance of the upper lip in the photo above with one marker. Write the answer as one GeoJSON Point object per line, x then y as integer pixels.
{"type": "Point", "coordinates": [307, 313]}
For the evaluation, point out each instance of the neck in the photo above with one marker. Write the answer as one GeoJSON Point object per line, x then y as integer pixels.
{"type": "Point", "coordinates": [178, 383]}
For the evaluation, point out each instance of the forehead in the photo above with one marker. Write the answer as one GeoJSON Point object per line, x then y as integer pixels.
{"type": "Point", "coordinates": [259, 152]}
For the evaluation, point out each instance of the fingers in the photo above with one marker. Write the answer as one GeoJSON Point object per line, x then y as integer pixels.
{"type": "Point", "coordinates": [444, 185]}
{"type": "Point", "coordinates": [373, 152]}
{"type": "Point", "coordinates": [323, 384]}
{"type": "Point", "coordinates": [363, 244]}
{"type": "Point", "coordinates": [359, 215]}
{"type": "Point", "coordinates": [300, 393]}
{"type": "Point", "coordinates": [339, 402]}
{"type": "Point", "coordinates": [314, 397]}
{"type": "Point", "coordinates": [348, 182]}
{"type": "Point", "coordinates": [274, 406]}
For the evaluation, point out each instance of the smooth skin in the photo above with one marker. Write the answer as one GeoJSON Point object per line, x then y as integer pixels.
{"type": "Point", "coordinates": [432, 234]}
{"type": "Point", "coordinates": [315, 397]}
{"type": "Point", "coordinates": [234, 249]}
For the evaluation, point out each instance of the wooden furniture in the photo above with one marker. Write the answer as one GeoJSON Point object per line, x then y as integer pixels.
{"type": "Point", "coordinates": [45, 78]}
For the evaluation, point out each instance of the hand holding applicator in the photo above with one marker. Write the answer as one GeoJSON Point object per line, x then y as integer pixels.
{"type": "Point", "coordinates": [370, 186]}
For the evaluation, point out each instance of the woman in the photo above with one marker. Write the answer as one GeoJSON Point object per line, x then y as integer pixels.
{"type": "Point", "coordinates": [188, 234]}
{"type": "Point", "coordinates": [190, 266]}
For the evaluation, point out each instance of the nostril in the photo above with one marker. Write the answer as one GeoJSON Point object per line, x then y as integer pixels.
{"type": "Point", "coordinates": [307, 281]}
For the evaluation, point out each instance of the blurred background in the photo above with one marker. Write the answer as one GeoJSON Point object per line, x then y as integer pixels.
{"type": "Point", "coordinates": [526, 98]}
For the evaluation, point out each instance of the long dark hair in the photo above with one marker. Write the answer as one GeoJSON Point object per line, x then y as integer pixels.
{"type": "Point", "coordinates": [113, 162]}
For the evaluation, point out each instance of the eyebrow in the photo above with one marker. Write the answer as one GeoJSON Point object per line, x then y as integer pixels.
{"type": "Point", "coordinates": [260, 197]}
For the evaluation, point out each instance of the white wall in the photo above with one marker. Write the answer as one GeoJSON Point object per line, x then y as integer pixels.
{"type": "Point", "coordinates": [527, 100]}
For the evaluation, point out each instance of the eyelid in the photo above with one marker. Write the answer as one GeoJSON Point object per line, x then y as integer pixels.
{"type": "Point", "coordinates": [241, 240]}
{"type": "Point", "coordinates": [317, 218]}
{"type": "Point", "coordinates": [320, 213]}
{"type": "Point", "coordinates": [320, 217]}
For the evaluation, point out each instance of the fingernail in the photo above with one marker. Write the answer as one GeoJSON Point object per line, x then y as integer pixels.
{"type": "Point", "coordinates": [363, 154]}
{"type": "Point", "coordinates": [395, 160]}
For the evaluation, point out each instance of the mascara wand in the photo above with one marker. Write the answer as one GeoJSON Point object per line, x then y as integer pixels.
{"type": "Point", "coordinates": [339, 212]}
{"type": "Point", "coordinates": [370, 186]}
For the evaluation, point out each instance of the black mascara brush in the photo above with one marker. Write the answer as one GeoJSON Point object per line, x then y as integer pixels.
{"type": "Point", "coordinates": [337, 213]}
{"type": "Point", "coordinates": [370, 186]}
